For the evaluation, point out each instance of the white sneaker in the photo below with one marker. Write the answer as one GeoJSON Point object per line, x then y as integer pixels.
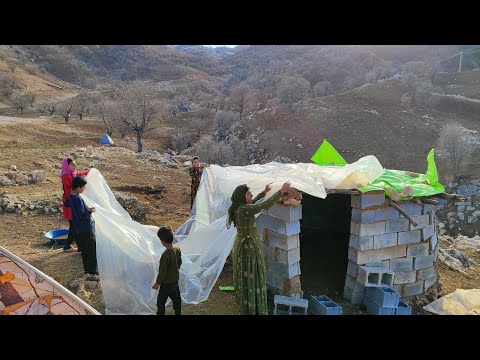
{"type": "Point", "coordinates": [92, 277]}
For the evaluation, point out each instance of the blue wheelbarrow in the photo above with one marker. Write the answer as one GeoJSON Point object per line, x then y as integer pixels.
{"type": "Point", "coordinates": [57, 237]}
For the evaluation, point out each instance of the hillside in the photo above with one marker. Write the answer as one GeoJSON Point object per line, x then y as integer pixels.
{"type": "Point", "coordinates": [385, 88]}
{"type": "Point", "coordinates": [367, 120]}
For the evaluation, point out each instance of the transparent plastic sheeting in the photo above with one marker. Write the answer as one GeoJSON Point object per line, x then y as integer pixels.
{"type": "Point", "coordinates": [460, 302]}
{"type": "Point", "coordinates": [128, 252]}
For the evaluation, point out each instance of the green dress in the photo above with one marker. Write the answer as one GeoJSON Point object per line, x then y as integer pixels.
{"type": "Point", "coordinates": [248, 262]}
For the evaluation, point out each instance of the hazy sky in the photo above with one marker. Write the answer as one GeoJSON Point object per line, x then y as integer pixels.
{"type": "Point", "coordinates": [220, 45]}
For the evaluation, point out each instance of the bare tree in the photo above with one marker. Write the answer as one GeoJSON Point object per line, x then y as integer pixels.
{"type": "Point", "coordinates": [180, 141]}
{"type": "Point", "coordinates": [139, 108]}
{"type": "Point", "coordinates": [30, 96]}
{"type": "Point", "coordinates": [453, 145]}
{"type": "Point", "coordinates": [214, 152]}
{"type": "Point", "coordinates": [8, 84]}
{"type": "Point", "coordinates": [66, 108]}
{"type": "Point", "coordinates": [82, 103]}
{"type": "Point", "coordinates": [292, 89]}
{"type": "Point", "coordinates": [51, 108]}
{"type": "Point", "coordinates": [42, 108]}
{"type": "Point", "coordinates": [106, 111]}
{"type": "Point", "coordinates": [240, 99]}
{"type": "Point", "coordinates": [19, 102]}
{"type": "Point", "coordinates": [223, 122]}
{"type": "Point", "coordinates": [322, 88]}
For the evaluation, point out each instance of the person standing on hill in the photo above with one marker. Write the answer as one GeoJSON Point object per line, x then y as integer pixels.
{"type": "Point", "coordinates": [67, 174]}
{"type": "Point", "coordinates": [196, 174]}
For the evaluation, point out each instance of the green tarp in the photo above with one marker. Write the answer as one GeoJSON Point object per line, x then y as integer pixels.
{"type": "Point", "coordinates": [421, 184]}
{"type": "Point", "coordinates": [327, 155]}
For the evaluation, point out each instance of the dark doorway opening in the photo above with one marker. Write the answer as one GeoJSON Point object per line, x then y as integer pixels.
{"type": "Point", "coordinates": [324, 239]}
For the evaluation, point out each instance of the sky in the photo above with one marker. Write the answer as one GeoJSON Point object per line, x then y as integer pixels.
{"type": "Point", "coordinates": [220, 45]}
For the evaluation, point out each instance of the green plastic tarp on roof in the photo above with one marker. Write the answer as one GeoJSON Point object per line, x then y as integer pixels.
{"type": "Point", "coordinates": [421, 184]}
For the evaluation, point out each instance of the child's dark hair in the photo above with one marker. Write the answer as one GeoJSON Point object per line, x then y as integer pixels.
{"type": "Point", "coordinates": [195, 158]}
{"type": "Point", "coordinates": [69, 161]}
{"type": "Point", "coordinates": [78, 182]}
{"type": "Point", "coordinates": [165, 234]}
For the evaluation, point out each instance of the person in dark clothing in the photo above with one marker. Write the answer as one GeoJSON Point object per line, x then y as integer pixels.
{"type": "Point", "coordinates": [84, 227]}
{"type": "Point", "coordinates": [196, 172]}
{"type": "Point", "coordinates": [67, 174]}
{"type": "Point", "coordinates": [168, 273]}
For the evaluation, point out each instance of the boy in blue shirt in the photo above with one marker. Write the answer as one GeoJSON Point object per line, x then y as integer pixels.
{"type": "Point", "coordinates": [84, 226]}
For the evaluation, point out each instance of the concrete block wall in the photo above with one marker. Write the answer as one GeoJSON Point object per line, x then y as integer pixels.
{"type": "Point", "coordinates": [279, 229]}
{"type": "Point", "coordinates": [382, 237]}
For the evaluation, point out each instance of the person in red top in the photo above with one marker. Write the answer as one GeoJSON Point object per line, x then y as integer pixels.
{"type": "Point", "coordinates": [67, 174]}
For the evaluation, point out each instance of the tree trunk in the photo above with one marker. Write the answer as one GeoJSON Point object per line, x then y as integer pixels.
{"type": "Point", "coordinates": [80, 116]}
{"type": "Point", "coordinates": [139, 141]}
{"type": "Point", "coordinates": [66, 119]}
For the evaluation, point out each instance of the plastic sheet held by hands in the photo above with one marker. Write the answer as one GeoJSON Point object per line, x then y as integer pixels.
{"type": "Point", "coordinates": [128, 252]}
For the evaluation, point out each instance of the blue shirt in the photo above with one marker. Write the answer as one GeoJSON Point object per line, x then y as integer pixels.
{"type": "Point", "coordinates": [81, 217]}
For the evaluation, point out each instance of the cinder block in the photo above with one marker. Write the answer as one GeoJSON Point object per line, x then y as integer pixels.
{"type": "Point", "coordinates": [361, 243]}
{"type": "Point", "coordinates": [367, 229]}
{"type": "Point", "coordinates": [352, 269]}
{"type": "Point", "coordinates": [429, 282]}
{"type": "Point", "coordinates": [368, 199]}
{"type": "Point", "coordinates": [375, 309]}
{"type": "Point", "coordinates": [398, 288]}
{"type": "Point", "coordinates": [427, 232]}
{"type": "Point", "coordinates": [435, 253]}
{"type": "Point", "coordinates": [348, 287]}
{"type": "Point", "coordinates": [397, 225]}
{"type": "Point", "coordinates": [280, 255]}
{"type": "Point", "coordinates": [278, 225]}
{"type": "Point", "coordinates": [386, 213]}
{"type": "Point", "coordinates": [420, 249]}
{"type": "Point", "coordinates": [373, 215]}
{"type": "Point", "coordinates": [286, 212]}
{"type": "Point", "coordinates": [369, 256]}
{"type": "Point", "coordinates": [358, 296]}
{"type": "Point", "coordinates": [409, 237]}
{"type": "Point", "coordinates": [412, 209]}
{"type": "Point", "coordinates": [374, 276]}
{"type": "Point", "coordinates": [282, 241]}
{"type": "Point", "coordinates": [426, 273]}
{"type": "Point", "coordinates": [383, 296]}
{"type": "Point", "coordinates": [401, 264]}
{"type": "Point", "coordinates": [284, 270]}
{"type": "Point", "coordinates": [384, 240]}
{"type": "Point", "coordinates": [427, 208]}
{"type": "Point", "coordinates": [433, 243]}
{"type": "Point", "coordinates": [322, 305]}
{"type": "Point", "coordinates": [422, 221]}
{"type": "Point", "coordinates": [422, 262]}
{"type": "Point", "coordinates": [274, 280]}
{"type": "Point", "coordinates": [413, 288]}
{"type": "Point", "coordinates": [405, 277]}
{"type": "Point", "coordinates": [403, 308]}
{"type": "Point", "coordinates": [291, 303]}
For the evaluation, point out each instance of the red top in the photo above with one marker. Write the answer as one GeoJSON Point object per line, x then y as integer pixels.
{"type": "Point", "coordinates": [67, 189]}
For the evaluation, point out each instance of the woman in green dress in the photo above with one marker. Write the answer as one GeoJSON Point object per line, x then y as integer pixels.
{"type": "Point", "coordinates": [248, 262]}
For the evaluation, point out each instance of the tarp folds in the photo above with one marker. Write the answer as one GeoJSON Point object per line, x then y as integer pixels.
{"type": "Point", "coordinates": [421, 184]}
{"type": "Point", "coordinates": [460, 302]}
{"type": "Point", "coordinates": [128, 252]}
